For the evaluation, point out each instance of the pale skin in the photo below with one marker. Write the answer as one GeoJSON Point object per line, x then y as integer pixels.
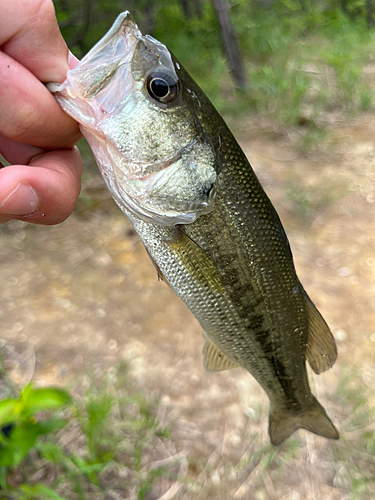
{"type": "Point", "coordinates": [36, 137]}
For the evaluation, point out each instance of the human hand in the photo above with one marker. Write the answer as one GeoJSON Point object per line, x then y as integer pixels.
{"type": "Point", "coordinates": [43, 182]}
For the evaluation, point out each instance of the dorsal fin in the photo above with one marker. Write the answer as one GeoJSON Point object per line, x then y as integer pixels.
{"type": "Point", "coordinates": [214, 360]}
{"type": "Point", "coordinates": [321, 352]}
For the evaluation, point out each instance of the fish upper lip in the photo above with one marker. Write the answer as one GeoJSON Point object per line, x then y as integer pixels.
{"type": "Point", "coordinates": [123, 34]}
{"type": "Point", "coordinates": [162, 165]}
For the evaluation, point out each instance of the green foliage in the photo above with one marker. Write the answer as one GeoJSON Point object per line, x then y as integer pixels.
{"type": "Point", "coordinates": [37, 492]}
{"type": "Point", "coordinates": [302, 57]}
{"type": "Point", "coordinates": [196, 43]}
{"type": "Point", "coordinates": [23, 429]}
{"type": "Point", "coordinates": [306, 64]}
{"type": "Point", "coordinates": [112, 429]}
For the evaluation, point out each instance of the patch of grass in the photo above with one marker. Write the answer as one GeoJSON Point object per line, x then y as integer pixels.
{"type": "Point", "coordinates": [355, 455]}
{"type": "Point", "coordinates": [301, 73]}
{"type": "Point", "coordinates": [113, 446]}
{"type": "Point", "coordinates": [346, 48]}
{"type": "Point", "coordinates": [312, 200]}
{"type": "Point", "coordinates": [308, 467]}
{"type": "Point", "coordinates": [298, 71]}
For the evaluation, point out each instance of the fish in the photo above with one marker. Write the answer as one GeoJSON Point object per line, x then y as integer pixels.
{"type": "Point", "coordinates": [177, 172]}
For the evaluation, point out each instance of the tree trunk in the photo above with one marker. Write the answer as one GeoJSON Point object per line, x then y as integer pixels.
{"type": "Point", "coordinates": [64, 6]}
{"type": "Point", "coordinates": [186, 8]}
{"type": "Point", "coordinates": [198, 8]}
{"type": "Point", "coordinates": [303, 5]}
{"type": "Point", "coordinates": [369, 14]}
{"type": "Point", "coordinates": [344, 6]}
{"type": "Point", "coordinates": [230, 43]}
{"type": "Point", "coordinates": [191, 8]}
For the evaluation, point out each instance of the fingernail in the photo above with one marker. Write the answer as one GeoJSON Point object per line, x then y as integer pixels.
{"type": "Point", "coordinates": [23, 200]}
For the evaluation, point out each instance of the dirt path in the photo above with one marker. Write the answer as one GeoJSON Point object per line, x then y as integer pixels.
{"type": "Point", "coordinates": [83, 295]}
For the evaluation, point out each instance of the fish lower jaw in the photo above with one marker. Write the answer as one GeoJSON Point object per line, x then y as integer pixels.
{"type": "Point", "coordinates": [166, 210]}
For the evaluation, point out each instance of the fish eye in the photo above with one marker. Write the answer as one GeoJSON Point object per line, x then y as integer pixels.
{"type": "Point", "coordinates": [163, 87]}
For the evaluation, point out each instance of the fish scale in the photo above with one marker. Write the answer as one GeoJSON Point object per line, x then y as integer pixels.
{"type": "Point", "coordinates": [228, 319]}
{"type": "Point", "coordinates": [179, 175]}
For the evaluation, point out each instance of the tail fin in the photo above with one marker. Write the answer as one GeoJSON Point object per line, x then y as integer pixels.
{"type": "Point", "coordinates": [314, 418]}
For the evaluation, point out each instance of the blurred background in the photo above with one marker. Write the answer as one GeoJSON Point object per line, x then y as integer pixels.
{"type": "Point", "coordinates": [81, 307]}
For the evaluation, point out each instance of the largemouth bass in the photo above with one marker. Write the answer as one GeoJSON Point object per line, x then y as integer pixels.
{"type": "Point", "coordinates": [176, 171]}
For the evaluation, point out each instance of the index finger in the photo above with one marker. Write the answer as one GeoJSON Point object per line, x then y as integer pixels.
{"type": "Point", "coordinates": [29, 113]}
{"type": "Point", "coordinates": [29, 33]}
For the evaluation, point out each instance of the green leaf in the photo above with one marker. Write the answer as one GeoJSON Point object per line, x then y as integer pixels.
{"type": "Point", "coordinates": [44, 399]}
{"type": "Point", "coordinates": [51, 425]}
{"type": "Point", "coordinates": [7, 413]}
{"type": "Point", "coordinates": [53, 453]}
{"type": "Point", "coordinates": [42, 490]}
{"type": "Point", "coordinates": [22, 439]}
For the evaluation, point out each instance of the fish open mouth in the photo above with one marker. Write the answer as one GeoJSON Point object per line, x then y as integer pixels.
{"type": "Point", "coordinates": [112, 52]}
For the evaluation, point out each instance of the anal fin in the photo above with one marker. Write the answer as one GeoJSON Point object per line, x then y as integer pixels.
{"type": "Point", "coordinates": [214, 360]}
{"type": "Point", "coordinates": [321, 352]}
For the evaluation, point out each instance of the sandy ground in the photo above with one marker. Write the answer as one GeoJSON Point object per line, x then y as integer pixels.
{"type": "Point", "coordinates": [83, 295]}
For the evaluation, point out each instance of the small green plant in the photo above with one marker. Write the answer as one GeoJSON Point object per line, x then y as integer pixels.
{"type": "Point", "coordinates": [21, 427]}
{"type": "Point", "coordinates": [106, 443]}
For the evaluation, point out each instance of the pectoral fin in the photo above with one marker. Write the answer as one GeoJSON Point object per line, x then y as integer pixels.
{"type": "Point", "coordinates": [321, 352]}
{"type": "Point", "coordinates": [214, 360]}
{"type": "Point", "coordinates": [196, 261]}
